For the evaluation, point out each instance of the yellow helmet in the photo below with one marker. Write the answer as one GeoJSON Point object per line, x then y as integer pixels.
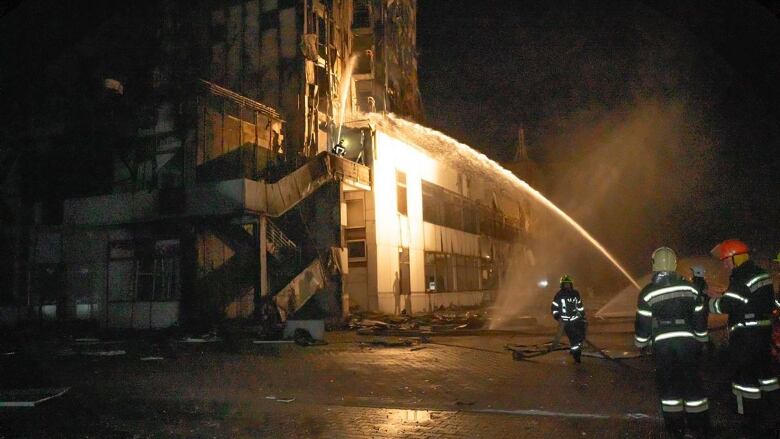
{"type": "Point", "coordinates": [566, 279]}
{"type": "Point", "coordinates": [664, 259]}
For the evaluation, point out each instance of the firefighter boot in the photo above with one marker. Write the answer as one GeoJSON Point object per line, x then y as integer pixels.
{"type": "Point", "coordinates": [576, 355]}
{"type": "Point", "coordinates": [675, 424]}
{"type": "Point", "coordinates": [770, 424]}
{"type": "Point", "coordinates": [751, 419]}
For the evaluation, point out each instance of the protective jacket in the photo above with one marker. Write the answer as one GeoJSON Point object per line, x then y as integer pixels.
{"type": "Point", "coordinates": [749, 299]}
{"type": "Point", "coordinates": [670, 316]}
{"type": "Point", "coordinates": [669, 307]}
{"type": "Point", "coordinates": [749, 302]}
{"type": "Point", "coordinates": [567, 306]}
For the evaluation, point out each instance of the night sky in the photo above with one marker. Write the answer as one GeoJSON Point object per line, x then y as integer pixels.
{"type": "Point", "coordinates": [655, 122]}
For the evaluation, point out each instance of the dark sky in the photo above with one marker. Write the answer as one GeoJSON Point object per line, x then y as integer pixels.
{"type": "Point", "coordinates": [655, 122]}
{"type": "Point", "coordinates": [675, 103]}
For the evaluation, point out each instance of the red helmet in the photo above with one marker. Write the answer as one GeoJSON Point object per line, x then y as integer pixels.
{"type": "Point", "coordinates": [729, 248]}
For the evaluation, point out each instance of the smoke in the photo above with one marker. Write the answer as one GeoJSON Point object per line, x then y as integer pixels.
{"type": "Point", "coordinates": [628, 176]}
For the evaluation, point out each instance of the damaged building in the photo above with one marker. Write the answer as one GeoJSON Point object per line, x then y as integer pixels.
{"type": "Point", "coordinates": [182, 173]}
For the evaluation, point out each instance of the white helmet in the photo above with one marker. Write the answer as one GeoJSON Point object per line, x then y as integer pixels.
{"type": "Point", "coordinates": [698, 271]}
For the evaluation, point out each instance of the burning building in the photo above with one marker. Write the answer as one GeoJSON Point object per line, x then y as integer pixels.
{"type": "Point", "coordinates": [190, 179]}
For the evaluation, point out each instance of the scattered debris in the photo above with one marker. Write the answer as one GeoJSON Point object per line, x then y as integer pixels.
{"type": "Point", "coordinates": [417, 348]}
{"type": "Point", "coordinates": [205, 338]}
{"type": "Point", "coordinates": [152, 358]}
{"type": "Point", "coordinates": [302, 337]}
{"type": "Point", "coordinates": [280, 399]}
{"type": "Point", "coordinates": [86, 340]}
{"type": "Point", "coordinates": [443, 320]}
{"type": "Point", "coordinates": [390, 343]}
{"type": "Point", "coordinates": [29, 397]}
{"type": "Point", "coordinates": [273, 341]}
{"type": "Point", "coordinates": [464, 402]}
{"type": "Point", "coordinates": [104, 353]}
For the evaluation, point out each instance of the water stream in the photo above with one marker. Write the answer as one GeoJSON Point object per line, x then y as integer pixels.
{"type": "Point", "coordinates": [346, 83]}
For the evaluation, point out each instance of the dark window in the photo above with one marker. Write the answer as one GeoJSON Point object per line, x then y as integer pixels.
{"type": "Point", "coordinates": [362, 16]}
{"type": "Point", "coordinates": [430, 272]}
{"type": "Point", "coordinates": [403, 263]}
{"type": "Point", "coordinates": [157, 274]}
{"type": "Point", "coordinates": [451, 210]}
{"type": "Point", "coordinates": [488, 277]}
{"type": "Point", "coordinates": [356, 250]}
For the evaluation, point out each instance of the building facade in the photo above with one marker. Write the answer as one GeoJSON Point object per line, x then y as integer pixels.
{"type": "Point", "coordinates": [203, 187]}
{"type": "Point", "coordinates": [437, 227]}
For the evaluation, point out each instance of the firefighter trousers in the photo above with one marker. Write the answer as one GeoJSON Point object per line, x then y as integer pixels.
{"type": "Point", "coordinates": [575, 331]}
{"type": "Point", "coordinates": [679, 383]}
{"type": "Point", "coordinates": [754, 384]}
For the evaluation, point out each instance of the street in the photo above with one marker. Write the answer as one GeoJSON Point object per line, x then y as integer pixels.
{"type": "Point", "coordinates": [453, 386]}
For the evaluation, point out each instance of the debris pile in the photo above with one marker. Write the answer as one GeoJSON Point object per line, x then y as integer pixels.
{"type": "Point", "coordinates": [441, 321]}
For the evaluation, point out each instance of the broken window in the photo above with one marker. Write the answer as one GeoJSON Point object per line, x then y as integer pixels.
{"type": "Point", "coordinates": [488, 277]}
{"type": "Point", "coordinates": [403, 264]}
{"type": "Point", "coordinates": [232, 133]}
{"type": "Point", "coordinates": [400, 181]}
{"type": "Point", "coordinates": [157, 272]}
{"type": "Point", "coordinates": [148, 272]}
{"type": "Point", "coordinates": [442, 272]}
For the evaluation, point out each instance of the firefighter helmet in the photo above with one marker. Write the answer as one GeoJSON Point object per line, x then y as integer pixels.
{"type": "Point", "coordinates": [664, 259]}
{"type": "Point", "coordinates": [729, 248]}
{"type": "Point", "coordinates": [566, 279]}
{"type": "Point", "coordinates": [698, 271]}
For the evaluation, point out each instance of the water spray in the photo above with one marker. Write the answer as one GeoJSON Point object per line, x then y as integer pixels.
{"type": "Point", "coordinates": [490, 167]}
{"type": "Point", "coordinates": [550, 205]}
{"type": "Point", "coordinates": [346, 81]}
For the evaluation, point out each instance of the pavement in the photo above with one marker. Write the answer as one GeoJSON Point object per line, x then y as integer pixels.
{"type": "Point", "coordinates": [452, 387]}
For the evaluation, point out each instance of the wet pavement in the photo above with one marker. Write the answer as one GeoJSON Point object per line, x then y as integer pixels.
{"type": "Point", "coordinates": [454, 386]}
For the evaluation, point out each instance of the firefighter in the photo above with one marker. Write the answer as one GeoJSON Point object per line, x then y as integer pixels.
{"type": "Point", "coordinates": [568, 310]}
{"type": "Point", "coordinates": [339, 149]}
{"type": "Point", "coordinates": [749, 302]}
{"type": "Point", "coordinates": [669, 318]}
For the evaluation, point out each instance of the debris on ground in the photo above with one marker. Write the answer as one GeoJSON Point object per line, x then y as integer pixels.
{"type": "Point", "coordinates": [302, 337]}
{"type": "Point", "coordinates": [280, 399]}
{"type": "Point", "coordinates": [398, 343]}
{"type": "Point", "coordinates": [272, 341]}
{"type": "Point", "coordinates": [211, 337]}
{"type": "Point", "coordinates": [442, 320]}
{"type": "Point", "coordinates": [113, 353]}
{"type": "Point", "coordinates": [464, 402]}
{"type": "Point", "coordinates": [152, 358]}
{"type": "Point", "coordinates": [417, 348]}
{"type": "Point", "coordinates": [29, 397]}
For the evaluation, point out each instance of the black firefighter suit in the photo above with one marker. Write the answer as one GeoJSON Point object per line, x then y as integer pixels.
{"type": "Point", "coordinates": [670, 316]}
{"type": "Point", "coordinates": [749, 302]}
{"type": "Point", "coordinates": [567, 308]}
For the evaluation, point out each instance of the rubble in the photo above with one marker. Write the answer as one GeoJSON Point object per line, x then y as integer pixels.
{"type": "Point", "coordinates": [442, 321]}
